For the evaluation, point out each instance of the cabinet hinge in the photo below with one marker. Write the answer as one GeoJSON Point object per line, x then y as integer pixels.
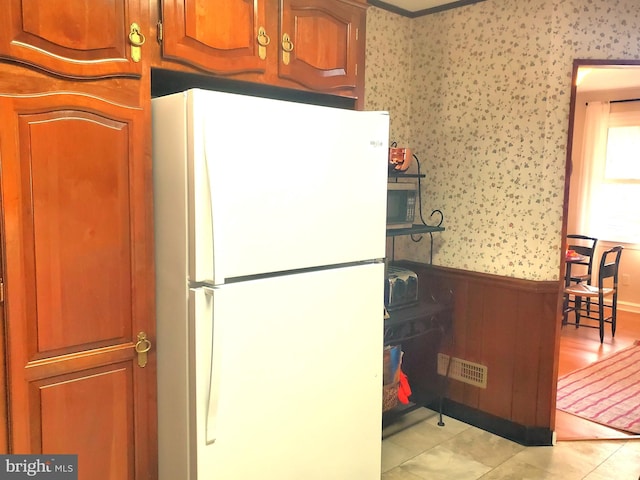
{"type": "Point", "coordinates": [357, 33]}
{"type": "Point", "coordinates": [159, 32]}
{"type": "Point", "coordinates": [356, 69]}
{"type": "Point", "coordinates": [1, 292]}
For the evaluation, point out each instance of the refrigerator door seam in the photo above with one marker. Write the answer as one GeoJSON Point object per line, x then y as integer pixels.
{"type": "Point", "coordinates": [298, 271]}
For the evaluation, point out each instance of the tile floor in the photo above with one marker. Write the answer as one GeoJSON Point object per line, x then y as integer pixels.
{"type": "Point", "coordinates": [459, 451]}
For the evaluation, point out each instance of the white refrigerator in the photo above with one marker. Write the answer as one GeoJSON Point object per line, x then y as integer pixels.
{"type": "Point", "coordinates": [270, 238]}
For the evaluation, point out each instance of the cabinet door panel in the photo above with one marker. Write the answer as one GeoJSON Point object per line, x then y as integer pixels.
{"type": "Point", "coordinates": [79, 281]}
{"type": "Point", "coordinates": [80, 208]}
{"type": "Point", "coordinates": [218, 36]}
{"type": "Point", "coordinates": [66, 423]}
{"type": "Point", "coordinates": [75, 38]}
{"type": "Point", "coordinates": [324, 35]}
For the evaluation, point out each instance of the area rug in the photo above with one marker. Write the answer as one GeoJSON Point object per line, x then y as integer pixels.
{"type": "Point", "coordinates": [606, 392]}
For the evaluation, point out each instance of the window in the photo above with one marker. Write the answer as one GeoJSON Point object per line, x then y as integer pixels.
{"type": "Point", "coordinates": [615, 189]}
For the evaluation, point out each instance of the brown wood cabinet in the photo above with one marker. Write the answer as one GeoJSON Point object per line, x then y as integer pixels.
{"type": "Point", "coordinates": [73, 185]}
{"type": "Point", "coordinates": [77, 236]}
{"type": "Point", "coordinates": [305, 44]}
{"type": "Point", "coordinates": [81, 39]}
{"type": "Point", "coordinates": [221, 37]}
{"type": "Point", "coordinates": [321, 43]}
{"type": "Point", "coordinates": [77, 272]}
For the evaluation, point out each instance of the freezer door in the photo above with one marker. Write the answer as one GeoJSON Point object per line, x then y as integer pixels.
{"type": "Point", "coordinates": [280, 186]}
{"type": "Point", "coordinates": [287, 377]}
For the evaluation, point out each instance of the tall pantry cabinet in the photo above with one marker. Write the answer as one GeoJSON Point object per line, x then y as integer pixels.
{"type": "Point", "coordinates": [77, 323]}
{"type": "Point", "coordinates": [77, 234]}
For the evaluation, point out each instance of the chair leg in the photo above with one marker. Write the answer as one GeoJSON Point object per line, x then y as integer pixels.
{"type": "Point", "coordinates": [614, 311]}
{"type": "Point", "coordinates": [601, 319]}
{"type": "Point", "coordinates": [577, 301]}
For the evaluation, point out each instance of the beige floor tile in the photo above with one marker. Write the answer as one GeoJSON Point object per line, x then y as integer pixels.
{"type": "Point", "coordinates": [422, 436]}
{"type": "Point", "coordinates": [569, 460]}
{"type": "Point", "coordinates": [394, 454]}
{"type": "Point", "coordinates": [623, 464]}
{"type": "Point", "coordinates": [399, 474]}
{"type": "Point", "coordinates": [483, 446]}
{"type": "Point", "coordinates": [515, 469]}
{"type": "Point", "coordinates": [603, 475]}
{"type": "Point", "coordinates": [440, 463]}
{"type": "Point", "coordinates": [458, 451]}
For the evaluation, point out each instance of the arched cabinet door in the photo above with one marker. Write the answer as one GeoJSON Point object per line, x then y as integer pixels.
{"type": "Point", "coordinates": [76, 192]}
{"type": "Point", "coordinates": [319, 43]}
{"type": "Point", "coordinates": [219, 36]}
{"type": "Point", "coordinates": [73, 38]}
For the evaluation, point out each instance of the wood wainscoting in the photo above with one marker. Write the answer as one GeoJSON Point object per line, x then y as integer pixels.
{"type": "Point", "coordinates": [510, 326]}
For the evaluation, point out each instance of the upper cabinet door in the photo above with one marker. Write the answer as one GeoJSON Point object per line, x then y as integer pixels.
{"type": "Point", "coordinates": [74, 38]}
{"type": "Point", "coordinates": [219, 36]}
{"type": "Point", "coordinates": [319, 43]}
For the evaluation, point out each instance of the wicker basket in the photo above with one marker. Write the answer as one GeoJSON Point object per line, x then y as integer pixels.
{"type": "Point", "coordinates": [389, 396]}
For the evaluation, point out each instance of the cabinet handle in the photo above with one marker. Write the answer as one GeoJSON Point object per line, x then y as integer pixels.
{"type": "Point", "coordinates": [143, 345]}
{"type": "Point", "coordinates": [136, 39]}
{"type": "Point", "coordinates": [287, 48]}
{"type": "Point", "coordinates": [263, 41]}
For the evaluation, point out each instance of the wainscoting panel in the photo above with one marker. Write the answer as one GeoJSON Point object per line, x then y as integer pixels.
{"type": "Point", "coordinates": [510, 326]}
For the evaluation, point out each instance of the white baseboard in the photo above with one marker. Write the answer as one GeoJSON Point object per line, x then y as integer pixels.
{"type": "Point", "coordinates": [629, 307]}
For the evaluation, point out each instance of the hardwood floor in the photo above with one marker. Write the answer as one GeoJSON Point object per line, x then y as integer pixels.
{"type": "Point", "coordinates": [581, 347]}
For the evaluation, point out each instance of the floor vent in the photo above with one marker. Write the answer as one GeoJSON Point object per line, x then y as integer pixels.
{"type": "Point", "coordinates": [462, 370]}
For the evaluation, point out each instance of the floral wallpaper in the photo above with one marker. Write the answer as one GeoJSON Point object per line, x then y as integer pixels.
{"type": "Point", "coordinates": [388, 70]}
{"type": "Point", "coordinates": [481, 94]}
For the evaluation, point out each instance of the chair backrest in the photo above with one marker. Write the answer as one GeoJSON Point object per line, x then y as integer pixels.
{"type": "Point", "coordinates": [609, 265]}
{"type": "Point", "coordinates": [585, 246]}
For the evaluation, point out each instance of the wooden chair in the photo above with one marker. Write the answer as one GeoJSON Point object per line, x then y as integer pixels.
{"type": "Point", "coordinates": [585, 246]}
{"type": "Point", "coordinates": [603, 297]}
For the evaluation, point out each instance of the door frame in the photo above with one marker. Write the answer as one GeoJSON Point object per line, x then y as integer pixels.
{"type": "Point", "coordinates": [577, 63]}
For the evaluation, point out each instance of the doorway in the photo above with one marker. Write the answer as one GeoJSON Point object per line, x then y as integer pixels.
{"type": "Point", "coordinates": [612, 80]}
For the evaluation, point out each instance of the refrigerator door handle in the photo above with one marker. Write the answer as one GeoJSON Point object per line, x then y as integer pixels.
{"type": "Point", "coordinates": [213, 396]}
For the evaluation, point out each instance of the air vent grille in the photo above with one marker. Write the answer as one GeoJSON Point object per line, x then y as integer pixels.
{"type": "Point", "coordinates": [463, 370]}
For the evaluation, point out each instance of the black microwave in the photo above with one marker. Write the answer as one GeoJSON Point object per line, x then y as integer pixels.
{"type": "Point", "coordinates": [401, 204]}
